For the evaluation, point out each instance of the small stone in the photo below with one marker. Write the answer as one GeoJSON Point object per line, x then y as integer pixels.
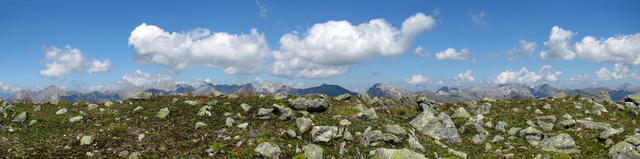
{"type": "Point", "coordinates": [89, 154]}
{"type": "Point", "coordinates": [457, 153]}
{"type": "Point", "coordinates": [108, 104]}
{"type": "Point", "coordinates": [395, 129]}
{"type": "Point", "coordinates": [500, 126]}
{"type": "Point", "coordinates": [461, 113]}
{"type": "Point", "coordinates": [20, 117]}
{"type": "Point", "coordinates": [200, 124]}
{"type": "Point", "coordinates": [162, 113]}
{"type": "Point", "coordinates": [610, 132]}
{"type": "Point", "coordinates": [368, 114]}
{"type": "Point", "coordinates": [383, 153]}
{"type": "Point", "coordinates": [191, 102]}
{"type": "Point", "coordinates": [204, 111]}
{"type": "Point", "coordinates": [86, 140]}
{"type": "Point", "coordinates": [497, 138]}
{"type": "Point", "coordinates": [265, 113]}
{"type": "Point", "coordinates": [138, 108]}
{"type": "Point", "coordinates": [33, 122]}
{"type": "Point", "coordinates": [312, 151]}
{"type": "Point", "coordinates": [37, 108]}
{"type": "Point", "coordinates": [246, 107]}
{"type": "Point", "coordinates": [267, 150]}
{"type": "Point", "coordinates": [243, 125]}
{"type": "Point", "coordinates": [92, 106]}
{"type": "Point", "coordinates": [75, 118]}
{"type": "Point", "coordinates": [61, 111]}
{"type": "Point", "coordinates": [229, 122]}
{"type": "Point", "coordinates": [324, 133]}
{"type": "Point", "coordinates": [291, 133]}
{"type": "Point", "coordinates": [538, 111]}
{"type": "Point", "coordinates": [304, 124]}
{"type": "Point", "coordinates": [123, 153]}
{"type": "Point", "coordinates": [345, 122]}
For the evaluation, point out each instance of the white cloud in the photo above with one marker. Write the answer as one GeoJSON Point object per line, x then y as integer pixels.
{"type": "Point", "coordinates": [558, 45]}
{"type": "Point", "coordinates": [464, 77]}
{"type": "Point", "coordinates": [102, 88]}
{"type": "Point", "coordinates": [578, 79]}
{"type": "Point", "coordinates": [523, 48]}
{"type": "Point", "coordinates": [418, 79]}
{"type": "Point", "coordinates": [8, 88]}
{"type": "Point", "coordinates": [97, 66]}
{"type": "Point", "coordinates": [619, 49]}
{"type": "Point", "coordinates": [527, 77]}
{"type": "Point", "coordinates": [477, 18]}
{"type": "Point", "coordinates": [452, 54]}
{"type": "Point", "coordinates": [619, 72]}
{"type": "Point", "coordinates": [62, 62]}
{"type": "Point", "coordinates": [420, 52]}
{"type": "Point", "coordinates": [237, 54]}
{"type": "Point", "coordinates": [329, 49]}
{"type": "Point", "coordinates": [140, 78]}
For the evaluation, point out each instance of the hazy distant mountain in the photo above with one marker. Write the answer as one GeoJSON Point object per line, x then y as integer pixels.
{"type": "Point", "coordinates": [385, 90]}
{"type": "Point", "coordinates": [202, 89]}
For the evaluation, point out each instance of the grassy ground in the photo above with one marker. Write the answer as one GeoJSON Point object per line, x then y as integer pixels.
{"type": "Point", "coordinates": [118, 128]}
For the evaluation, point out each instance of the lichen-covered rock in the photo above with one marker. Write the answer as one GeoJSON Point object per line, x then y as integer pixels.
{"type": "Point", "coordinates": [229, 122]}
{"type": "Point", "coordinates": [384, 153]}
{"type": "Point", "coordinates": [483, 108]}
{"type": "Point", "coordinates": [141, 95]}
{"type": "Point", "coordinates": [561, 143]}
{"type": "Point", "coordinates": [138, 108]}
{"type": "Point", "coordinates": [108, 104]}
{"type": "Point", "coordinates": [602, 97]}
{"type": "Point", "coordinates": [92, 106]}
{"type": "Point", "coordinates": [343, 97]}
{"type": "Point", "coordinates": [634, 98]}
{"type": "Point", "coordinates": [20, 117]}
{"type": "Point", "coordinates": [607, 133]}
{"type": "Point", "coordinates": [191, 102]}
{"type": "Point", "coordinates": [588, 124]}
{"type": "Point", "coordinates": [461, 113]}
{"type": "Point", "coordinates": [200, 124]}
{"type": "Point", "coordinates": [246, 107]}
{"type": "Point", "coordinates": [283, 112]}
{"type": "Point", "coordinates": [441, 127]}
{"type": "Point", "coordinates": [625, 150]}
{"type": "Point", "coordinates": [86, 140]}
{"type": "Point", "coordinates": [559, 95]}
{"type": "Point", "coordinates": [162, 113]}
{"type": "Point", "coordinates": [310, 105]}
{"type": "Point", "coordinates": [500, 126]}
{"type": "Point", "coordinates": [568, 123]}
{"type": "Point", "coordinates": [395, 129]}
{"type": "Point", "coordinates": [368, 114]}
{"type": "Point", "coordinates": [61, 111]}
{"type": "Point", "coordinates": [205, 111]}
{"type": "Point", "coordinates": [267, 150]}
{"type": "Point", "coordinates": [312, 151]}
{"type": "Point", "coordinates": [75, 119]}
{"type": "Point", "coordinates": [304, 124]}
{"type": "Point", "coordinates": [265, 113]}
{"type": "Point", "coordinates": [324, 133]}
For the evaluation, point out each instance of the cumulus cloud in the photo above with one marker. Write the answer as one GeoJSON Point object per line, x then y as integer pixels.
{"type": "Point", "coordinates": [8, 88]}
{"type": "Point", "coordinates": [263, 9]}
{"type": "Point", "coordinates": [420, 52]}
{"type": "Point", "coordinates": [237, 54]}
{"type": "Point", "coordinates": [329, 49]}
{"type": "Point", "coordinates": [578, 79]}
{"type": "Point", "coordinates": [140, 78]}
{"type": "Point", "coordinates": [619, 49]}
{"type": "Point", "coordinates": [619, 72]}
{"type": "Point", "coordinates": [418, 79]}
{"type": "Point", "coordinates": [528, 77]}
{"type": "Point", "coordinates": [464, 77]}
{"type": "Point", "coordinates": [558, 45]}
{"type": "Point", "coordinates": [97, 66]}
{"type": "Point", "coordinates": [477, 18]}
{"type": "Point", "coordinates": [452, 54]}
{"type": "Point", "coordinates": [64, 61]}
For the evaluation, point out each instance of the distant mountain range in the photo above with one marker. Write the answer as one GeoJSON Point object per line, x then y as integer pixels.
{"type": "Point", "coordinates": [502, 91]}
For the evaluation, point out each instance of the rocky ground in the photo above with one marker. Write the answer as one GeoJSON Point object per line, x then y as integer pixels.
{"type": "Point", "coordinates": [359, 126]}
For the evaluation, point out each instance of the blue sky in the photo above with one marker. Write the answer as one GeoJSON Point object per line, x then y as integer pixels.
{"type": "Point", "coordinates": [490, 33]}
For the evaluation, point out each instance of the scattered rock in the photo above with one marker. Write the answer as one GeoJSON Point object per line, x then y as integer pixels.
{"type": "Point", "coordinates": [546, 106]}
{"type": "Point", "coordinates": [265, 113]}
{"type": "Point", "coordinates": [304, 124]}
{"type": "Point", "coordinates": [37, 108]}
{"type": "Point", "coordinates": [514, 130]}
{"type": "Point", "coordinates": [267, 150]}
{"type": "Point", "coordinates": [61, 111]}
{"type": "Point", "coordinates": [20, 117]}
{"type": "Point", "coordinates": [92, 106]}
{"type": "Point", "coordinates": [324, 133]}
{"type": "Point", "coordinates": [599, 107]}
{"type": "Point", "coordinates": [634, 98]}
{"type": "Point", "coordinates": [283, 112]}
{"type": "Point", "coordinates": [33, 122]}
{"type": "Point", "coordinates": [108, 104]}
{"type": "Point", "coordinates": [461, 113]}
{"type": "Point", "coordinates": [610, 132]}
{"type": "Point", "coordinates": [500, 126]}
{"type": "Point", "coordinates": [191, 102]}
{"type": "Point", "coordinates": [395, 129]}
{"type": "Point", "coordinates": [343, 97]}
{"type": "Point", "coordinates": [205, 111]}
{"type": "Point", "coordinates": [229, 122]}
{"type": "Point", "coordinates": [310, 105]}
{"type": "Point", "coordinates": [86, 140]}
{"type": "Point", "coordinates": [291, 133]}
{"type": "Point", "coordinates": [345, 122]}
{"type": "Point", "coordinates": [602, 97]}
{"type": "Point", "coordinates": [200, 124]}
{"type": "Point", "coordinates": [75, 118]}
{"type": "Point", "coordinates": [312, 151]}
{"type": "Point", "coordinates": [141, 95]}
{"type": "Point", "coordinates": [630, 105]}
{"type": "Point", "coordinates": [162, 113]}
{"type": "Point", "coordinates": [243, 125]}
{"type": "Point", "coordinates": [368, 114]}
{"type": "Point", "coordinates": [441, 127]}
{"type": "Point", "coordinates": [138, 108]}
{"type": "Point", "coordinates": [383, 153]}
{"type": "Point", "coordinates": [246, 107]}
{"type": "Point", "coordinates": [457, 153]}
{"type": "Point", "coordinates": [561, 143]}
